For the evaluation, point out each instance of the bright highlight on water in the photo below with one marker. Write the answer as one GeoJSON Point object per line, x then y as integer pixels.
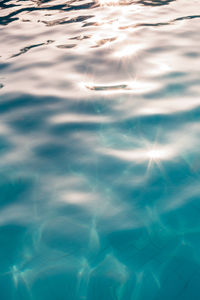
{"type": "Point", "coordinates": [99, 148]}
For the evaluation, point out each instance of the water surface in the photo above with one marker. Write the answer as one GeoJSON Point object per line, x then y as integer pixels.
{"type": "Point", "coordinates": [99, 145]}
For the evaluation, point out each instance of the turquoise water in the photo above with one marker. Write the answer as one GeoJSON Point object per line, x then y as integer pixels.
{"type": "Point", "coordinates": [99, 148]}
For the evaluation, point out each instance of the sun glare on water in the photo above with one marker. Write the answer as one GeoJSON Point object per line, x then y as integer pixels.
{"type": "Point", "coordinates": [158, 154]}
{"type": "Point", "coordinates": [108, 2]}
{"type": "Point", "coordinates": [128, 50]}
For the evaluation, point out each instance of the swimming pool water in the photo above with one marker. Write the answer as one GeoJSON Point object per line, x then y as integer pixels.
{"type": "Point", "coordinates": [99, 148]}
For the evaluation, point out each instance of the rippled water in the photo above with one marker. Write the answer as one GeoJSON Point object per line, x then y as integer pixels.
{"type": "Point", "coordinates": [99, 144]}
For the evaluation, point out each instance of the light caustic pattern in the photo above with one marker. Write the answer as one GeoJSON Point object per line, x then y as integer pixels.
{"type": "Point", "coordinates": [99, 144]}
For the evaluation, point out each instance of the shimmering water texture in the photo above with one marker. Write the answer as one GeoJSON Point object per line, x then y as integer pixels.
{"type": "Point", "coordinates": [99, 148]}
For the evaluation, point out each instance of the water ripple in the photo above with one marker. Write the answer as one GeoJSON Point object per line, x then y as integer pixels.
{"type": "Point", "coordinates": [99, 144]}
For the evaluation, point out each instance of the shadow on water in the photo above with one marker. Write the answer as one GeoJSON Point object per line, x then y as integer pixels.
{"type": "Point", "coordinates": [155, 2]}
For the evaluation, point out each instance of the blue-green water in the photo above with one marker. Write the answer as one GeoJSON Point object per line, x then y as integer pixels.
{"type": "Point", "coordinates": [99, 150]}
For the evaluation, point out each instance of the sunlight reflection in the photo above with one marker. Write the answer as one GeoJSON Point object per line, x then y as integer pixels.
{"type": "Point", "coordinates": [77, 197]}
{"type": "Point", "coordinates": [157, 154]}
{"type": "Point", "coordinates": [20, 277]}
{"type": "Point", "coordinates": [160, 66]}
{"type": "Point", "coordinates": [15, 273]}
{"type": "Point", "coordinates": [108, 2]}
{"type": "Point", "coordinates": [128, 50]}
{"type": "Point", "coordinates": [77, 118]}
{"type": "Point", "coordinates": [168, 106]}
{"type": "Point", "coordinates": [139, 155]}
